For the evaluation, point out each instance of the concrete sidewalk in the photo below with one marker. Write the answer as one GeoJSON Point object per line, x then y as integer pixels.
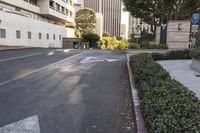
{"type": "Point", "coordinates": [181, 71]}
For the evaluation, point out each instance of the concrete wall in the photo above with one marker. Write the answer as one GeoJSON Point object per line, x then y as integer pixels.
{"type": "Point", "coordinates": [196, 64]}
{"type": "Point", "coordinates": [178, 34]}
{"type": "Point", "coordinates": [158, 30]}
{"type": "Point", "coordinates": [99, 24]}
{"type": "Point", "coordinates": [12, 22]}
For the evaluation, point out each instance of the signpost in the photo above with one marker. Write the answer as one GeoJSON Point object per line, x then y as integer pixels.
{"type": "Point", "coordinates": [195, 29]}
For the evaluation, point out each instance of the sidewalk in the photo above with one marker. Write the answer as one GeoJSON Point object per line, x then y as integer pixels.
{"type": "Point", "coordinates": [182, 72]}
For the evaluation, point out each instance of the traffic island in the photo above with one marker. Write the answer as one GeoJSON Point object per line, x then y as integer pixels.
{"type": "Point", "coordinates": [165, 104]}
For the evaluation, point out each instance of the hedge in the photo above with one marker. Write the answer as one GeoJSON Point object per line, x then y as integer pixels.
{"type": "Point", "coordinates": [195, 53]}
{"type": "Point", "coordinates": [172, 55]}
{"type": "Point", "coordinates": [167, 106]}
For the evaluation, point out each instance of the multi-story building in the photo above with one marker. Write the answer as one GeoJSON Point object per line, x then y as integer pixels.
{"type": "Point", "coordinates": [36, 23]}
{"type": "Point", "coordinates": [136, 26]}
{"type": "Point", "coordinates": [111, 10]}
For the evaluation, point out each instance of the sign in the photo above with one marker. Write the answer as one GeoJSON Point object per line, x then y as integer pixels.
{"type": "Point", "coordinates": [195, 17]}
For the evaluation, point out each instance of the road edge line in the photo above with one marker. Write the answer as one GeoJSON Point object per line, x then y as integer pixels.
{"type": "Point", "coordinates": [20, 57]}
{"type": "Point", "coordinates": [139, 121]}
{"type": "Point", "coordinates": [37, 70]}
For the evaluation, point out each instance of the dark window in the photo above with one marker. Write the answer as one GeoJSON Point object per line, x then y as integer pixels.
{"type": "Point", "coordinates": [54, 37]}
{"type": "Point", "coordinates": [29, 35]}
{"type": "Point", "coordinates": [60, 37]}
{"type": "Point", "coordinates": [18, 34]}
{"type": "Point", "coordinates": [2, 33]}
{"type": "Point", "coordinates": [47, 36]}
{"type": "Point", "coordinates": [40, 35]}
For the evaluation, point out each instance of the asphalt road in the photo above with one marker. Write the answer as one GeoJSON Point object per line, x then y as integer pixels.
{"type": "Point", "coordinates": [81, 92]}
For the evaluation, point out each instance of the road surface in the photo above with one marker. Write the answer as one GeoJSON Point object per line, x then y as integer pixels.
{"type": "Point", "coordinates": [50, 91]}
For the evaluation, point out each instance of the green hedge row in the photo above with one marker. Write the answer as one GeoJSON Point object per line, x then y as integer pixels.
{"type": "Point", "coordinates": [167, 106]}
{"type": "Point", "coordinates": [146, 46]}
{"type": "Point", "coordinates": [173, 54]}
{"type": "Point", "coordinates": [195, 53]}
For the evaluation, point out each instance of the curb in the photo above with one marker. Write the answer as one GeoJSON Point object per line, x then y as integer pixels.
{"type": "Point", "coordinates": [139, 121]}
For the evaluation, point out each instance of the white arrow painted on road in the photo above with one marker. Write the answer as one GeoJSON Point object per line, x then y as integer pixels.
{"type": "Point", "coordinates": [95, 59]}
{"type": "Point", "coordinates": [28, 125]}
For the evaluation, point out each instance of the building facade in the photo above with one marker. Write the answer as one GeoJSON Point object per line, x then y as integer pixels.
{"type": "Point", "coordinates": [36, 23]}
{"type": "Point", "coordinates": [136, 26]}
{"type": "Point", "coordinates": [111, 10]}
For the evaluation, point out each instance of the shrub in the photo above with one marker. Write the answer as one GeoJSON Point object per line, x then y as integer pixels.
{"type": "Point", "coordinates": [111, 43]}
{"type": "Point", "coordinates": [167, 106]}
{"type": "Point", "coordinates": [133, 46]}
{"type": "Point", "coordinates": [195, 53]}
{"type": "Point", "coordinates": [92, 38]}
{"type": "Point", "coordinates": [123, 44]}
{"type": "Point", "coordinates": [173, 54]}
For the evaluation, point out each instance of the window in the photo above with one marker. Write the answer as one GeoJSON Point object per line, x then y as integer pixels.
{"type": "Point", "coordinates": [47, 36]}
{"type": "Point", "coordinates": [67, 11]}
{"type": "Point", "coordinates": [40, 35]}
{"type": "Point", "coordinates": [70, 13]}
{"type": "Point", "coordinates": [60, 37]}
{"type": "Point", "coordinates": [2, 33]}
{"type": "Point", "coordinates": [29, 35]}
{"type": "Point", "coordinates": [57, 7]}
{"type": "Point", "coordinates": [54, 37]}
{"type": "Point", "coordinates": [63, 10]}
{"type": "Point", "coordinates": [18, 34]}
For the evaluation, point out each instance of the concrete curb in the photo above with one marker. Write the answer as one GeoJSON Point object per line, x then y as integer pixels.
{"type": "Point", "coordinates": [139, 121]}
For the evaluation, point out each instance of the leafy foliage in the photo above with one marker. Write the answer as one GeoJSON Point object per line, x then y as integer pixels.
{"type": "Point", "coordinates": [77, 33]}
{"type": "Point", "coordinates": [105, 34]}
{"type": "Point", "coordinates": [167, 106]}
{"type": "Point", "coordinates": [173, 54]}
{"type": "Point", "coordinates": [111, 43]}
{"type": "Point", "coordinates": [92, 38]}
{"type": "Point", "coordinates": [157, 12]}
{"type": "Point", "coordinates": [85, 20]}
{"type": "Point", "coordinates": [195, 53]}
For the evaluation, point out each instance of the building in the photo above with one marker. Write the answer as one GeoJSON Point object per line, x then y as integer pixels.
{"type": "Point", "coordinates": [124, 29]}
{"type": "Point", "coordinates": [111, 11]}
{"type": "Point", "coordinates": [36, 23]}
{"type": "Point", "coordinates": [136, 26]}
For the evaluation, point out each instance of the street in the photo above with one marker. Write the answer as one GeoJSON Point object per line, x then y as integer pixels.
{"type": "Point", "coordinates": [55, 91]}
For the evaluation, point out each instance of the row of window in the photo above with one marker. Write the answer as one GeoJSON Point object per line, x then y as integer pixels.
{"type": "Point", "coordinates": [55, 6]}
{"type": "Point", "coordinates": [18, 35]}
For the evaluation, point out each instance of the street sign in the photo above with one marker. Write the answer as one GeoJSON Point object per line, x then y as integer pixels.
{"type": "Point", "coordinates": [195, 18]}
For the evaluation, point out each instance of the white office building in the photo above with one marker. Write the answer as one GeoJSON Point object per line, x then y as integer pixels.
{"type": "Point", "coordinates": [36, 23]}
{"type": "Point", "coordinates": [136, 26]}
{"type": "Point", "coordinates": [111, 11]}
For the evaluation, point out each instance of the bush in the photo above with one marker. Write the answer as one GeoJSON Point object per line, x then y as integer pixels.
{"type": "Point", "coordinates": [123, 44]}
{"type": "Point", "coordinates": [133, 46]}
{"type": "Point", "coordinates": [173, 54]}
{"type": "Point", "coordinates": [92, 38]}
{"type": "Point", "coordinates": [195, 53]}
{"type": "Point", "coordinates": [167, 106]}
{"type": "Point", "coordinates": [148, 45]}
{"type": "Point", "coordinates": [111, 43]}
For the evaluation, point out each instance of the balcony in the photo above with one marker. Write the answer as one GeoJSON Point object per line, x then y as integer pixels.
{"type": "Point", "coordinates": [23, 5]}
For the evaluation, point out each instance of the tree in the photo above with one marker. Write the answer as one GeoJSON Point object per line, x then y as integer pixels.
{"type": "Point", "coordinates": [92, 38]}
{"type": "Point", "coordinates": [77, 33]}
{"type": "Point", "coordinates": [157, 12]}
{"type": "Point", "coordinates": [85, 20]}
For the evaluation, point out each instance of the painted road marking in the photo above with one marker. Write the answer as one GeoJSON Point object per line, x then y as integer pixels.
{"type": "Point", "coordinates": [20, 57]}
{"type": "Point", "coordinates": [95, 59]}
{"type": "Point", "coordinates": [24, 75]}
{"type": "Point", "coordinates": [28, 125]}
